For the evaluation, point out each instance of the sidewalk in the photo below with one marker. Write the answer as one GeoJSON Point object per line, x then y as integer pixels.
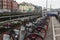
{"type": "Point", "coordinates": [49, 35]}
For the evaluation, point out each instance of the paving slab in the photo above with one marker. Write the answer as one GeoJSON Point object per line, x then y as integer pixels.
{"type": "Point", "coordinates": [49, 35]}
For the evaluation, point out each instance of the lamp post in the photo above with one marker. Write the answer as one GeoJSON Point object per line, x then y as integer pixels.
{"type": "Point", "coordinates": [51, 5]}
{"type": "Point", "coordinates": [46, 6]}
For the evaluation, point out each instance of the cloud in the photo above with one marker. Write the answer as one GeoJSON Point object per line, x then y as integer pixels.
{"type": "Point", "coordinates": [54, 3]}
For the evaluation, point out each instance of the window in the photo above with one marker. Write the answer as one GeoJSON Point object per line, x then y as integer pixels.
{"type": "Point", "coordinates": [9, 3]}
{"type": "Point", "coordinates": [4, 3]}
{"type": "Point", "coordinates": [5, 0]}
{"type": "Point", "coordinates": [0, 0]}
{"type": "Point", "coordinates": [0, 3]}
{"type": "Point", "coordinates": [4, 7]}
{"type": "Point", "coordinates": [9, 0]}
{"type": "Point", "coordinates": [0, 7]}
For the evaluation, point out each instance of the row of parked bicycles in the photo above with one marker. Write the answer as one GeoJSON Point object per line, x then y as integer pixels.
{"type": "Point", "coordinates": [36, 30]}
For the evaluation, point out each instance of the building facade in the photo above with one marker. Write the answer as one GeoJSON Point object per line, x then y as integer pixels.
{"type": "Point", "coordinates": [14, 6]}
{"type": "Point", "coordinates": [26, 7]}
{"type": "Point", "coordinates": [6, 5]}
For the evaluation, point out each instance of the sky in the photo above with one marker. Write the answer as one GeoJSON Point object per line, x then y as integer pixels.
{"type": "Point", "coordinates": [54, 3]}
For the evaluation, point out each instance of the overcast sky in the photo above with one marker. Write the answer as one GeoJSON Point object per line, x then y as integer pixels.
{"type": "Point", "coordinates": [54, 3]}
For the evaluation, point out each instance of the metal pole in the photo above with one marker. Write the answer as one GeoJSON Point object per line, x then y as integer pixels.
{"type": "Point", "coordinates": [51, 5]}
{"type": "Point", "coordinates": [46, 6]}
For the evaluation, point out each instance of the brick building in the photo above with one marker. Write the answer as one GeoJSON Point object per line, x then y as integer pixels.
{"type": "Point", "coordinates": [14, 6]}
{"type": "Point", "coordinates": [7, 5]}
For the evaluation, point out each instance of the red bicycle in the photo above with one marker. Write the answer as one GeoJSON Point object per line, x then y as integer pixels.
{"type": "Point", "coordinates": [41, 31]}
{"type": "Point", "coordinates": [33, 37]}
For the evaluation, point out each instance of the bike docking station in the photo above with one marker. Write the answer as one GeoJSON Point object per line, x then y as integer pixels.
{"type": "Point", "coordinates": [34, 30]}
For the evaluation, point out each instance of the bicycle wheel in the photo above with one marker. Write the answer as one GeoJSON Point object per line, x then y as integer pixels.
{"type": "Point", "coordinates": [33, 37]}
{"type": "Point", "coordinates": [46, 27]}
{"type": "Point", "coordinates": [41, 31]}
{"type": "Point", "coordinates": [44, 32]}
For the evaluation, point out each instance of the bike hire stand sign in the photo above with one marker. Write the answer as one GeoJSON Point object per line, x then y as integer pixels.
{"type": "Point", "coordinates": [22, 33]}
{"type": "Point", "coordinates": [6, 37]}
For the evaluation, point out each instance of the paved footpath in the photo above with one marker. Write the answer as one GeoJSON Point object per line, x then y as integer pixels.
{"type": "Point", "coordinates": [54, 30]}
{"type": "Point", "coordinates": [49, 35]}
